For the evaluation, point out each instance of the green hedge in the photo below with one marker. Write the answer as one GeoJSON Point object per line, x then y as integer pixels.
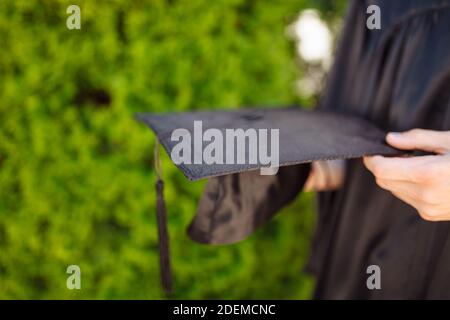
{"type": "Point", "coordinates": [76, 174]}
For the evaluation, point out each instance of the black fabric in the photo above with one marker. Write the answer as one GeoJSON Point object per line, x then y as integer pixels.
{"type": "Point", "coordinates": [304, 136]}
{"type": "Point", "coordinates": [397, 78]}
{"type": "Point", "coordinates": [233, 206]}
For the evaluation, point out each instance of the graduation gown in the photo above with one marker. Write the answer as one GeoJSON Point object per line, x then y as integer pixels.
{"type": "Point", "coordinates": [397, 78]}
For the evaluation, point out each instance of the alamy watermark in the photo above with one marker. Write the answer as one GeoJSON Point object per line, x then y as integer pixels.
{"type": "Point", "coordinates": [74, 20]}
{"type": "Point", "coordinates": [227, 146]}
{"type": "Point", "coordinates": [74, 280]}
{"type": "Point", "coordinates": [374, 20]}
{"type": "Point", "coordinates": [374, 280]}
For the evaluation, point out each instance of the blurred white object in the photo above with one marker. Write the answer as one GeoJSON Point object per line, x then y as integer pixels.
{"type": "Point", "coordinates": [313, 37]}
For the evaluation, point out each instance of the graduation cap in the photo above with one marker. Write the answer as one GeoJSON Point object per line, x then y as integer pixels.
{"type": "Point", "coordinates": [257, 160]}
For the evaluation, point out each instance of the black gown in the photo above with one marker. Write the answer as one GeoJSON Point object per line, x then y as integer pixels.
{"type": "Point", "coordinates": [398, 78]}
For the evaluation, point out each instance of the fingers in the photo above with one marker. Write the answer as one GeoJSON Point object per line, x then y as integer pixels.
{"type": "Point", "coordinates": [421, 139]}
{"type": "Point", "coordinates": [422, 182]}
{"type": "Point", "coordinates": [427, 203]}
{"type": "Point", "coordinates": [401, 189]}
{"type": "Point", "coordinates": [423, 170]}
{"type": "Point", "coordinates": [402, 169]}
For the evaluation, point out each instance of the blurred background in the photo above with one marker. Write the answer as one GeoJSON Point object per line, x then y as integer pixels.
{"type": "Point", "coordinates": [76, 169]}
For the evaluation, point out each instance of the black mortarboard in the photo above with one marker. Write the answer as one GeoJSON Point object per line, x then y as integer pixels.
{"type": "Point", "coordinates": [237, 198]}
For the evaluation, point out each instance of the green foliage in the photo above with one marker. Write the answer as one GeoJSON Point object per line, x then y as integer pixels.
{"type": "Point", "coordinates": [76, 174]}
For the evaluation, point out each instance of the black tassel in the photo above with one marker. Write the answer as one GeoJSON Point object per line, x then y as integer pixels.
{"type": "Point", "coordinates": [164, 257]}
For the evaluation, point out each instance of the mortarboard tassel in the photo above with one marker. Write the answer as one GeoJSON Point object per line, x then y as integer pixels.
{"type": "Point", "coordinates": [166, 275]}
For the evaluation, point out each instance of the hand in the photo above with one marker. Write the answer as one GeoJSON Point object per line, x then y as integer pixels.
{"type": "Point", "coordinates": [325, 175]}
{"type": "Point", "coordinates": [423, 182]}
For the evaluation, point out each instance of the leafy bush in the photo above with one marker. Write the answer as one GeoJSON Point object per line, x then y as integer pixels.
{"type": "Point", "coordinates": [76, 173]}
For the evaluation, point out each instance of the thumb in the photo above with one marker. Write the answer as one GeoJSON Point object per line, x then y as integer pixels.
{"type": "Point", "coordinates": [421, 139]}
